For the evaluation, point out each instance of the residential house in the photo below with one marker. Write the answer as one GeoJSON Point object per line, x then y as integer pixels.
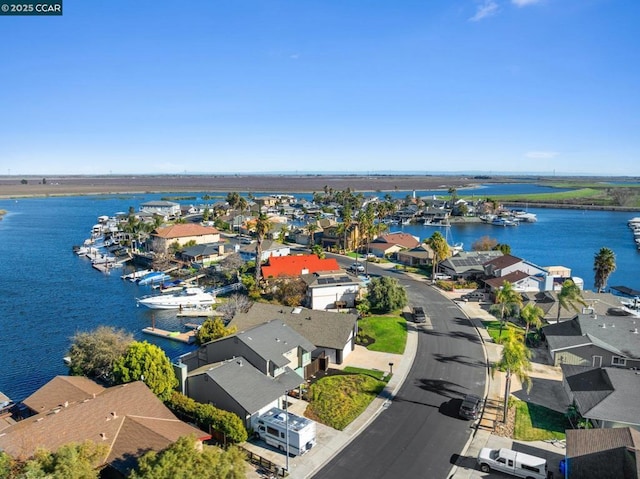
{"type": "Point", "coordinates": [163, 238]}
{"type": "Point", "coordinates": [420, 256]}
{"type": "Point", "coordinates": [608, 397]}
{"type": "Point", "coordinates": [258, 366]}
{"type": "Point", "coordinates": [331, 290]}
{"type": "Point", "coordinates": [603, 453]}
{"type": "Point", "coordinates": [391, 243]}
{"type": "Point", "coordinates": [129, 419]}
{"type": "Point", "coordinates": [467, 264]}
{"type": "Point", "coordinates": [166, 209]}
{"type": "Point", "coordinates": [204, 255]}
{"type": "Point", "coordinates": [590, 339]}
{"type": "Point", "coordinates": [270, 249]}
{"type": "Point", "coordinates": [333, 334]}
{"type": "Point", "coordinates": [298, 265]}
{"type": "Point", "coordinates": [333, 237]}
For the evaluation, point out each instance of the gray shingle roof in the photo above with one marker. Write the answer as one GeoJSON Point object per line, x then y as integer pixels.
{"type": "Point", "coordinates": [248, 386]}
{"type": "Point", "coordinates": [609, 394]}
{"type": "Point", "coordinates": [322, 328]}
{"type": "Point", "coordinates": [614, 333]}
{"type": "Point", "coordinates": [273, 339]}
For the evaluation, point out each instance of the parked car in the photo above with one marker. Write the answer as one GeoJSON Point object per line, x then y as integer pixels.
{"type": "Point", "coordinates": [470, 407]}
{"type": "Point", "coordinates": [418, 315]}
{"type": "Point", "coordinates": [356, 268]}
{"type": "Point", "coordinates": [473, 296]}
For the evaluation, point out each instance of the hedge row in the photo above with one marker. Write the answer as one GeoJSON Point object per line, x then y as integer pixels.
{"type": "Point", "coordinates": [207, 416]}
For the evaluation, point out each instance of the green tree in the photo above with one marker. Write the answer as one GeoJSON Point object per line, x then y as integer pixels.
{"type": "Point", "coordinates": [263, 225]}
{"type": "Point", "coordinates": [532, 316]}
{"type": "Point", "coordinates": [212, 329]}
{"type": "Point", "coordinates": [503, 248]}
{"type": "Point", "coordinates": [312, 228]}
{"type": "Point", "coordinates": [441, 251]}
{"type": "Point", "coordinates": [515, 359]}
{"type": "Point", "coordinates": [386, 294]}
{"type": "Point", "coordinates": [507, 298]}
{"type": "Point", "coordinates": [94, 353]}
{"type": "Point", "coordinates": [347, 220]}
{"type": "Point", "coordinates": [233, 198]}
{"type": "Point", "coordinates": [183, 460]}
{"type": "Point", "coordinates": [289, 291]}
{"type": "Point", "coordinates": [8, 466]}
{"type": "Point", "coordinates": [71, 461]}
{"type": "Point", "coordinates": [569, 296]}
{"type": "Point", "coordinates": [603, 265]}
{"type": "Point", "coordinates": [146, 362]}
{"type": "Point", "coordinates": [318, 251]}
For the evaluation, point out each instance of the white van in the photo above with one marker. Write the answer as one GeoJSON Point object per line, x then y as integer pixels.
{"type": "Point", "coordinates": [515, 463]}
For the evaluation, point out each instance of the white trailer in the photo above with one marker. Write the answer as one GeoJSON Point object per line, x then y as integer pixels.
{"type": "Point", "coordinates": [271, 427]}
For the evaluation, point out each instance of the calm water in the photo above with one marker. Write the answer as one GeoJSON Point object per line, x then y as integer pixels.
{"type": "Point", "coordinates": [48, 293]}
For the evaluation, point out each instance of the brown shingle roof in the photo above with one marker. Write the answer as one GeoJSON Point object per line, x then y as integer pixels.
{"type": "Point", "coordinates": [182, 230]}
{"type": "Point", "coordinates": [61, 389]}
{"type": "Point", "coordinates": [504, 261]}
{"type": "Point", "coordinates": [404, 240]}
{"type": "Point", "coordinates": [129, 418]}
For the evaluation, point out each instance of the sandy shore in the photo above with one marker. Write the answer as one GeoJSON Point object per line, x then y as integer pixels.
{"type": "Point", "coordinates": [15, 187]}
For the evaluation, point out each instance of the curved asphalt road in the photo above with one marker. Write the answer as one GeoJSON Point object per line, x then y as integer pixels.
{"type": "Point", "coordinates": [420, 434]}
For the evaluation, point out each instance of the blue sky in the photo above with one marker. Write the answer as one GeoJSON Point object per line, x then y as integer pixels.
{"type": "Point", "coordinates": [209, 86]}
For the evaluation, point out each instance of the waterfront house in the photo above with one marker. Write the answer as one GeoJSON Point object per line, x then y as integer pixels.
{"type": "Point", "coordinates": [333, 334]}
{"type": "Point", "coordinates": [181, 234]}
{"type": "Point", "coordinates": [591, 339]}
{"type": "Point", "coordinates": [420, 256]}
{"type": "Point", "coordinates": [166, 209]}
{"type": "Point", "coordinates": [128, 418]}
{"type": "Point", "coordinates": [608, 397]}
{"type": "Point", "coordinates": [468, 264]}
{"type": "Point", "coordinates": [603, 453]}
{"type": "Point", "coordinates": [331, 290]}
{"type": "Point", "coordinates": [204, 255]}
{"type": "Point", "coordinates": [246, 372]}
{"type": "Point", "coordinates": [392, 243]}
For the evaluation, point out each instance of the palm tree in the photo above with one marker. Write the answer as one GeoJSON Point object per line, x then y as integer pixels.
{"type": "Point", "coordinates": [347, 219]}
{"type": "Point", "coordinates": [263, 225]}
{"type": "Point", "coordinates": [569, 295]}
{"type": "Point", "coordinates": [312, 228]}
{"type": "Point", "coordinates": [604, 264]}
{"type": "Point", "coordinates": [508, 299]}
{"type": "Point", "coordinates": [515, 359]}
{"type": "Point", "coordinates": [532, 316]}
{"type": "Point", "coordinates": [233, 198]}
{"type": "Point", "coordinates": [441, 251]}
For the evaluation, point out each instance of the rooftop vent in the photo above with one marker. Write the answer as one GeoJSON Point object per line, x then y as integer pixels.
{"type": "Point", "coordinates": [635, 331]}
{"type": "Point", "coordinates": [103, 436]}
{"type": "Point", "coordinates": [113, 415]}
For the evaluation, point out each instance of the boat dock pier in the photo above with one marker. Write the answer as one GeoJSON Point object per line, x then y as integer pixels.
{"type": "Point", "coordinates": [189, 337]}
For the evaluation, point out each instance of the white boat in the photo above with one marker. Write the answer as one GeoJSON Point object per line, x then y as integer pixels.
{"type": "Point", "coordinates": [136, 274]}
{"type": "Point", "coordinates": [525, 217]}
{"type": "Point", "coordinates": [500, 221]}
{"type": "Point", "coordinates": [187, 298]}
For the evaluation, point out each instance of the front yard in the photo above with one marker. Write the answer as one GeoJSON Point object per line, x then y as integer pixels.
{"type": "Point", "coordinates": [387, 334]}
{"type": "Point", "coordinates": [338, 399]}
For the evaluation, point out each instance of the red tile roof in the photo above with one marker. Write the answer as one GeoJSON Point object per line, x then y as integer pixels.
{"type": "Point", "coordinates": [182, 230]}
{"type": "Point", "coordinates": [294, 265]}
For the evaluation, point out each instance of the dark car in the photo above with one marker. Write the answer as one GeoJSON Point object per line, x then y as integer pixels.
{"type": "Point", "coordinates": [418, 315]}
{"type": "Point", "coordinates": [470, 407]}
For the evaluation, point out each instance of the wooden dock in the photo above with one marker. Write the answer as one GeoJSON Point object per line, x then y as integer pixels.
{"type": "Point", "coordinates": [189, 337]}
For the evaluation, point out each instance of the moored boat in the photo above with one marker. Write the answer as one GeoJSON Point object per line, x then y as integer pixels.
{"type": "Point", "coordinates": [187, 298]}
{"type": "Point", "coordinates": [153, 277]}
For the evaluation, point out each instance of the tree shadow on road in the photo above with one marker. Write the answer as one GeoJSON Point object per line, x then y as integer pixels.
{"type": "Point", "coordinates": [460, 359]}
{"type": "Point", "coordinates": [472, 337]}
{"type": "Point", "coordinates": [440, 387]}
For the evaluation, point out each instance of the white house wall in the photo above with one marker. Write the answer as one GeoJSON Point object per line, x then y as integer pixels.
{"type": "Point", "coordinates": [325, 298]}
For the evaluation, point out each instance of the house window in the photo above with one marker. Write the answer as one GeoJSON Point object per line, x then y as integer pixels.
{"type": "Point", "coordinates": [618, 361]}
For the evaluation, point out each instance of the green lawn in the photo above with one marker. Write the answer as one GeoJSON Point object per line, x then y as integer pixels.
{"type": "Point", "coordinates": [388, 332]}
{"type": "Point", "coordinates": [338, 400]}
{"type": "Point", "coordinates": [493, 328]}
{"type": "Point", "coordinates": [537, 423]}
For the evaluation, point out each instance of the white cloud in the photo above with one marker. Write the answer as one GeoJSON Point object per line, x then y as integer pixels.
{"type": "Point", "coordinates": [541, 155]}
{"type": "Point", "coordinates": [486, 9]}
{"type": "Point", "coordinates": [524, 3]}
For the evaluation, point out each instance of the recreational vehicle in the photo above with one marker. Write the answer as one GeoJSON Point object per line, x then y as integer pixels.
{"type": "Point", "coordinates": [272, 426]}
